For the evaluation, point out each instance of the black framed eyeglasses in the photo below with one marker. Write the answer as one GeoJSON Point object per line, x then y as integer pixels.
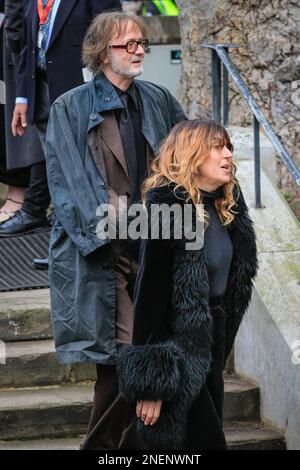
{"type": "Point", "coordinates": [131, 46]}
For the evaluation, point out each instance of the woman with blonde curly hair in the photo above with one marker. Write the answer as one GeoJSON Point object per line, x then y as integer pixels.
{"type": "Point", "coordinates": [189, 302]}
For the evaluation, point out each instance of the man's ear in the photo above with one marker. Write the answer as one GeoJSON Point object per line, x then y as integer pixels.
{"type": "Point", "coordinates": [106, 60]}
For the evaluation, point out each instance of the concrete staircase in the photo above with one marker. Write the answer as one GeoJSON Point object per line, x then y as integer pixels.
{"type": "Point", "coordinates": [44, 405]}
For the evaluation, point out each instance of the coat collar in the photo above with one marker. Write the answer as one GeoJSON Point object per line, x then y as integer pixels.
{"type": "Point", "coordinates": [106, 95]}
{"type": "Point", "coordinates": [166, 194]}
{"type": "Point", "coordinates": [105, 98]}
{"type": "Point", "coordinates": [35, 21]}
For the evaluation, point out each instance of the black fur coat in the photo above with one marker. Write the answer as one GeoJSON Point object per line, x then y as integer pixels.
{"type": "Point", "coordinates": [171, 306]}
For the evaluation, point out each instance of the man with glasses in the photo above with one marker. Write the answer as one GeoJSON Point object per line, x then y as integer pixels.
{"type": "Point", "coordinates": [100, 141]}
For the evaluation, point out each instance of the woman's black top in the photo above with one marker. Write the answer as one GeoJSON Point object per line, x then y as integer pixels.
{"type": "Point", "coordinates": [156, 261]}
{"type": "Point", "coordinates": [217, 247]}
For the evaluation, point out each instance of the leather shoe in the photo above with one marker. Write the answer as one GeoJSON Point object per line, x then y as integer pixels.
{"type": "Point", "coordinates": [40, 263]}
{"type": "Point", "coordinates": [21, 223]}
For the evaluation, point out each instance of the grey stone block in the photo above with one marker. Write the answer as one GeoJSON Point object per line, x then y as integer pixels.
{"type": "Point", "coordinates": [47, 411]}
{"type": "Point", "coordinates": [81, 372]}
{"type": "Point", "coordinates": [25, 325]}
{"type": "Point", "coordinates": [163, 29]}
{"type": "Point", "coordinates": [32, 363]}
{"type": "Point", "coordinates": [241, 400]}
{"type": "Point", "coordinates": [240, 436]}
{"type": "Point", "coordinates": [52, 411]}
{"type": "Point", "coordinates": [25, 315]}
{"type": "Point", "coordinates": [253, 436]}
{"type": "Point", "coordinates": [66, 443]}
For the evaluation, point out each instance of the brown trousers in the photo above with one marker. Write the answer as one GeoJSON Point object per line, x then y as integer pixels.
{"type": "Point", "coordinates": [112, 422]}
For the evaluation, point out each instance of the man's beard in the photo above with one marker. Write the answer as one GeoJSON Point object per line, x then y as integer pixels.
{"type": "Point", "coordinates": [125, 72]}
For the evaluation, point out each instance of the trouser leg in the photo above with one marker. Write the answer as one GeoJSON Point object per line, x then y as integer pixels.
{"type": "Point", "coordinates": [107, 420]}
{"type": "Point", "coordinates": [18, 178]}
{"type": "Point", "coordinates": [43, 106]}
{"type": "Point", "coordinates": [37, 197]}
{"type": "Point", "coordinates": [106, 390]}
{"type": "Point", "coordinates": [112, 424]}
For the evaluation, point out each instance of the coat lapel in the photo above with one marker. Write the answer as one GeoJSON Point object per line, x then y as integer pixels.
{"type": "Point", "coordinates": [63, 12]}
{"type": "Point", "coordinates": [111, 135]}
{"type": "Point", "coordinates": [92, 141]}
{"type": "Point", "coordinates": [35, 22]}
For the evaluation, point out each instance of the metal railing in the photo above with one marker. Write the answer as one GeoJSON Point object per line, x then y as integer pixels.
{"type": "Point", "coordinates": [219, 57]}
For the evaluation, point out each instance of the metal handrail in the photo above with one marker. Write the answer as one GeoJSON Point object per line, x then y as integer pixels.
{"type": "Point", "coordinates": [220, 54]}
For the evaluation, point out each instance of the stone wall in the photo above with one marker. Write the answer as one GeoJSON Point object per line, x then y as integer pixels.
{"type": "Point", "coordinates": [268, 59]}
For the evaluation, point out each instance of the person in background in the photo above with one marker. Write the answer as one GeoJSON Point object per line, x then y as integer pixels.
{"type": "Point", "coordinates": [50, 64]}
{"type": "Point", "coordinates": [188, 303]}
{"type": "Point", "coordinates": [17, 155]}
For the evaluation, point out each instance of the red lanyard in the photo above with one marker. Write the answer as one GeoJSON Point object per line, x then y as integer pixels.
{"type": "Point", "coordinates": [44, 12]}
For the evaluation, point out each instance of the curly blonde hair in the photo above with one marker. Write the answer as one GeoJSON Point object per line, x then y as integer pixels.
{"type": "Point", "coordinates": [180, 158]}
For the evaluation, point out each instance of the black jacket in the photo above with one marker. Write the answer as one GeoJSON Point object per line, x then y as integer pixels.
{"type": "Point", "coordinates": [14, 15]}
{"type": "Point", "coordinates": [63, 57]}
{"type": "Point", "coordinates": [171, 301]}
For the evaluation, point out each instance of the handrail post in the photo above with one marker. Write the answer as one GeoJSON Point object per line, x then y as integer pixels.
{"type": "Point", "coordinates": [225, 94]}
{"type": "Point", "coordinates": [216, 86]}
{"type": "Point", "coordinates": [257, 163]}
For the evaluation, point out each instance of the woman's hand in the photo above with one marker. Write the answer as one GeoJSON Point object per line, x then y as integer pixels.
{"type": "Point", "coordinates": [148, 411]}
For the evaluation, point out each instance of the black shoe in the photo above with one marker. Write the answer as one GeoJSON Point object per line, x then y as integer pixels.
{"type": "Point", "coordinates": [42, 263]}
{"type": "Point", "coordinates": [21, 223]}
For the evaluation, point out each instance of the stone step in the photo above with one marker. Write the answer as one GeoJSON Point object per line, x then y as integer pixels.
{"type": "Point", "coordinates": [31, 363]}
{"type": "Point", "coordinates": [240, 436]}
{"type": "Point", "coordinates": [25, 315]}
{"type": "Point", "coordinates": [57, 410]}
{"type": "Point", "coordinates": [241, 401]}
{"type": "Point", "coordinates": [65, 443]}
{"type": "Point", "coordinates": [253, 436]}
{"type": "Point", "coordinates": [46, 411]}
{"type": "Point", "coordinates": [34, 363]}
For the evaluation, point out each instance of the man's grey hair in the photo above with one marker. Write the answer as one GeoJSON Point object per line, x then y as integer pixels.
{"type": "Point", "coordinates": [100, 32]}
